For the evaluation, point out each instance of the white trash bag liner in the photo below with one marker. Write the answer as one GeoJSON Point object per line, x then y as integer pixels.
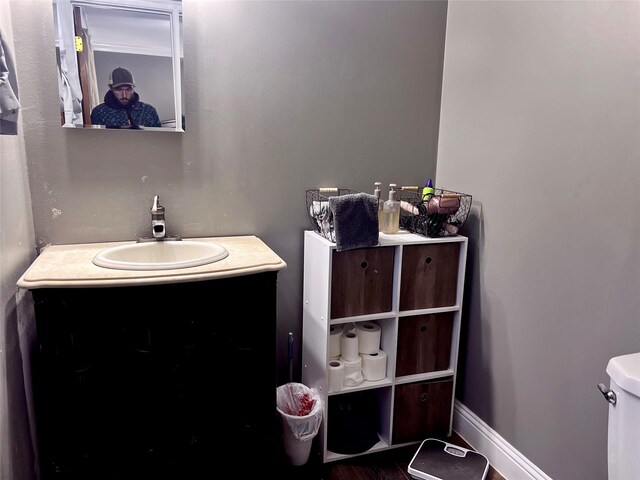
{"type": "Point", "coordinates": [300, 410]}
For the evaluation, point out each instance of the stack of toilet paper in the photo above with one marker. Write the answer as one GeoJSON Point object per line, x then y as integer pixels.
{"type": "Point", "coordinates": [355, 355]}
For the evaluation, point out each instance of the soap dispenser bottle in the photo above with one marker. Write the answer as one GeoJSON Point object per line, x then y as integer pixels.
{"type": "Point", "coordinates": [376, 193]}
{"type": "Point", "coordinates": [391, 212]}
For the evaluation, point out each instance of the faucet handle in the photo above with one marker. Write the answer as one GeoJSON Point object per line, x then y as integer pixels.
{"type": "Point", "coordinates": [157, 219]}
{"type": "Point", "coordinates": [156, 204]}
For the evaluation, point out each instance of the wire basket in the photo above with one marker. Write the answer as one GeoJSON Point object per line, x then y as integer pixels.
{"type": "Point", "coordinates": [441, 215]}
{"type": "Point", "coordinates": [318, 209]}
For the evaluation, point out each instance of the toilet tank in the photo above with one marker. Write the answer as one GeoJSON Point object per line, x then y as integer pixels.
{"type": "Point", "coordinates": [623, 443]}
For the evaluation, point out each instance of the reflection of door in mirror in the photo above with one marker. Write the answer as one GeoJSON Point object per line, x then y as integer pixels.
{"type": "Point", "coordinates": [97, 37]}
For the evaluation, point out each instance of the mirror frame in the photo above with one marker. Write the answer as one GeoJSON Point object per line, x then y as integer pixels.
{"type": "Point", "coordinates": [65, 34]}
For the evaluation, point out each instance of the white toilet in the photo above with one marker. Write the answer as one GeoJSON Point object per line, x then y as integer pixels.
{"type": "Point", "coordinates": [624, 417]}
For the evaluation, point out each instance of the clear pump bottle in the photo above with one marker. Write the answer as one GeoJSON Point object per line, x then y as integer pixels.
{"type": "Point", "coordinates": [391, 212]}
{"type": "Point", "coordinates": [376, 192]}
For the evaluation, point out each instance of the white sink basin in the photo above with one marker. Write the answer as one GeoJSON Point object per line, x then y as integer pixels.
{"type": "Point", "coordinates": [162, 255]}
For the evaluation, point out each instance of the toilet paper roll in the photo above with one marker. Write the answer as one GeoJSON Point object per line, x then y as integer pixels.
{"type": "Point", "coordinates": [336, 375]}
{"type": "Point", "coordinates": [349, 327]}
{"type": "Point", "coordinates": [335, 333]}
{"type": "Point", "coordinates": [352, 371]}
{"type": "Point", "coordinates": [368, 337]}
{"type": "Point", "coordinates": [374, 365]}
{"type": "Point", "coordinates": [349, 346]}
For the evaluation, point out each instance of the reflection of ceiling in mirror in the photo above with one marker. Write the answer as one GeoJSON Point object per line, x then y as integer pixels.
{"type": "Point", "coordinates": [124, 26]}
{"type": "Point", "coordinates": [117, 30]}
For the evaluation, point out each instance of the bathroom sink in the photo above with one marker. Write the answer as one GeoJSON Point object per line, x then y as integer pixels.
{"type": "Point", "coordinates": [160, 255]}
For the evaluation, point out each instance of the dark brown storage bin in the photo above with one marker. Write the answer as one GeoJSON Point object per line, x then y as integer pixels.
{"type": "Point", "coordinates": [429, 276]}
{"type": "Point", "coordinates": [422, 410]}
{"type": "Point", "coordinates": [424, 343]}
{"type": "Point", "coordinates": [361, 281]}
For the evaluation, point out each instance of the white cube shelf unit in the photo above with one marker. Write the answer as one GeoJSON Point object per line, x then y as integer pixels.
{"type": "Point", "coordinates": [412, 287]}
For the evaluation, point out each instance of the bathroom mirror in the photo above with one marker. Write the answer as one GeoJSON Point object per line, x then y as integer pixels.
{"type": "Point", "coordinates": [96, 38]}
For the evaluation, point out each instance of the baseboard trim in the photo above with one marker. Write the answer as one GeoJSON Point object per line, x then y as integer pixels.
{"type": "Point", "coordinates": [502, 456]}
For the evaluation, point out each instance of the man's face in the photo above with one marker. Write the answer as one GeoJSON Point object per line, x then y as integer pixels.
{"type": "Point", "coordinates": [123, 93]}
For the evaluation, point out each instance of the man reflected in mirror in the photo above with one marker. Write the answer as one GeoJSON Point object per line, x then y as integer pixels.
{"type": "Point", "coordinates": [122, 107]}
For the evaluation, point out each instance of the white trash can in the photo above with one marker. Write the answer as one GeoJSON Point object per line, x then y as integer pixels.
{"type": "Point", "coordinates": [298, 427]}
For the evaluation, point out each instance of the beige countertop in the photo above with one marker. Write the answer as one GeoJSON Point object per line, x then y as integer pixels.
{"type": "Point", "coordinates": [63, 266]}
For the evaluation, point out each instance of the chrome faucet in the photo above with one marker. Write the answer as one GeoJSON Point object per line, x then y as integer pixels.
{"type": "Point", "coordinates": [158, 227]}
{"type": "Point", "coordinates": [157, 219]}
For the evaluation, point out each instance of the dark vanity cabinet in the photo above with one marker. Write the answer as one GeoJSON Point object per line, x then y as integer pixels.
{"type": "Point", "coordinates": [155, 381]}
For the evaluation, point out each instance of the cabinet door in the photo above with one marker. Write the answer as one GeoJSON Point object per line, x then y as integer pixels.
{"type": "Point", "coordinates": [429, 276]}
{"type": "Point", "coordinates": [158, 374]}
{"type": "Point", "coordinates": [361, 281]}
{"type": "Point", "coordinates": [422, 410]}
{"type": "Point", "coordinates": [424, 343]}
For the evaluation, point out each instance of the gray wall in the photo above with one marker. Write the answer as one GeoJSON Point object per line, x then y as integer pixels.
{"type": "Point", "coordinates": [280, 97]}
{"type": "Point", "coordinates": [540, 122]}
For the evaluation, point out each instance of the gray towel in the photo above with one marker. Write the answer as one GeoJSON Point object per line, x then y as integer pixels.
{"type": "Point", "coordinates": [355, 220]}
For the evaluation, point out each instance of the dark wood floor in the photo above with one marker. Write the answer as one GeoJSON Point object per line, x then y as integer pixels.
{"type": "Point", "coordinates": [387, 465]}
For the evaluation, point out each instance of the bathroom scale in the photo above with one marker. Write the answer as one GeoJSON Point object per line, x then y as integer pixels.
{"type": "Point", "coordinates": [438, 460]}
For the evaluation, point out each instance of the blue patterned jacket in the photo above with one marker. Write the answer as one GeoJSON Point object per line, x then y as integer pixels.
{"type": "Point", "coordinates": [112, 114]}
